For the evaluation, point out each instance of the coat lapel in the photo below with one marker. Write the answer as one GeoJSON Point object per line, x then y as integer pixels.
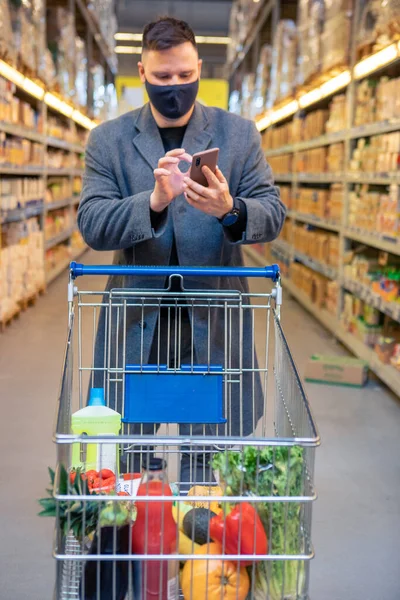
{"type": "Point", "coordinates": [148, 141]}
{"type": "Point", "coordinates": [197, 138]}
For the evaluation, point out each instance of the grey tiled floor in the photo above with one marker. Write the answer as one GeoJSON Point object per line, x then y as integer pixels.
{"type": "Point", "coordinates": [357, 515]}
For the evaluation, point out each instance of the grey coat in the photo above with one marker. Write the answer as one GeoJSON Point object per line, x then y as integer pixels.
{"type": "Point", "coordinates": [114, 214]}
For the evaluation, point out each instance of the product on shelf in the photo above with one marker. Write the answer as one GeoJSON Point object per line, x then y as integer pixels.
{"type": "Point", "coordinates": [58, 128]}
{"type": "Point", "coordinates": [332, 297]}
{"type": "Point", "coordinates": [58, 189]}
{"type": "Point", "coordinates": [60, 36]}
{"type": "Point", "coordinates": [335, 158]}
{"type": "Point", "coordinates": [248, 87]}
{"type": "Point", "coordinates": [17, 192]}
{"type": "Point", "coordinates": [29, 33]}
{"type": "Point", "coordinates": [361, 320]}
{"type": "Point", "coordinates": [312, 284]}
{"type": "Point", "coordinates": [286, 195]}
{"type": "Point", "coordinates": [56, 222]}
{"type": "Point", "coordinates": [321, 203]}
{"type": "Point", "coordinates": [15, 111]}
{"type": "Point", "coordinates": [21, 265]}
{"type": "Point", "coordinates": [59, 159]}
{"type": "Point", "coordinates": [314, 124]}
{"type": "Point", "coordinates": [318, 245]}
{"type": "Point", "coordinates": [309, 29]}
{"type": "Point", "coordinates": [7, 47]}
{"type": "Point", "coordinates": [378, 154]}
{"type": "Point", "coordinates": [336, 35]}
{"type": "Point", "coordinates": [379, 25]}
{"type": "Point", "coordinates": [375, 211]}
{"type": "Point", "coordinates": [377, 100]}
{"type": "Point", "coordinates": [337, 120]}
{"type": "Point", "coordinates": [283, 62]}
{"type": "Point", "coordinates": [20, 152]}
{"type": "Point", "coordinates": [311, 161]}
{"type": "Point", "coordinates": [281, 164]}
{"type": "Point", "coordinates": [365, 272]}
{"type": "Point", "coordinates": [262, 83]}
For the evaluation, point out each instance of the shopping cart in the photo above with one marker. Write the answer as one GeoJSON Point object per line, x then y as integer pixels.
{"type": "Point", "coordinates": [188, 367]}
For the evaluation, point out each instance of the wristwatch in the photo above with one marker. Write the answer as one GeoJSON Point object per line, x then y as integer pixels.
{"type": "Point", "coordinates": [232, 216]}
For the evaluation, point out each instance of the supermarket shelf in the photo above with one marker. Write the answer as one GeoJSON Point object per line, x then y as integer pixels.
{"type": "Point", "coordinates": [63, 145]}
{"type": "Point", "coordinates": [288, 177]}
{"type": "Point", "coordinates": [33, 209]}
{"type": "Point", "coordinates": [322, 223]}
{"type": "Point", "coordinates": [374, 129]}
{"type": "Point", "coordinates": [54, 273]}
{"type": "Point", "coordinates": [386, 373]}
{"type": "Point", "coordinates": [69, 172]}
{"type": "Point", "coordinates": [22, 171]}
{"type": "Point", "coordinates": [376, 241]}
{"type": "Point", "coordinates": [373, 178]}
{"type": "Point", "coordinates": [282, 247]}
{"type": "Point", "coordinates": [392, 309]}
{"type": "Point", "coordinates": [262, 15]}
{"type": "Point", "coordinates": [323, 140]}
{"type": "Point", "coordinates": [60, 204]}
{"type": "Point", "coordinates": [22, 132]}
{"type": "Point", "coordinates": [325, 270]}
{"type": "Point", "coordinates": [93, 27]}
{"type": "Point", "coordinates": [321, 177]}
{"type": "Point", "coordinates": [58, 239]}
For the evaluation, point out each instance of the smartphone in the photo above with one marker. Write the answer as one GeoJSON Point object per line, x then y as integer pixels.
{"type": "Point", "coordinates": [208, 158]}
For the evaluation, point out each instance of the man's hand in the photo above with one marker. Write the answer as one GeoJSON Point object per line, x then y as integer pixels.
{"type": "Point", "coordinates": [169, 179]}
{"type": "Point", "coordinates": [214, 200]}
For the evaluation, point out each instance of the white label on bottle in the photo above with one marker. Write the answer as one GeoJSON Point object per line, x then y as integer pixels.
{"type": "Point", "coordinates": [173, 588]}
{"type": "Point", "coordinates": [107, 457]}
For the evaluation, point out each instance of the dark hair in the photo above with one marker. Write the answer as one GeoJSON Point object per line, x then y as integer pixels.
{"type": "Point", "coordinates": [166, 33]}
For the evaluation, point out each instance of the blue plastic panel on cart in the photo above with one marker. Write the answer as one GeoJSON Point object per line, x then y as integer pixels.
{"type": "Point", "coordinates": [155, 394]}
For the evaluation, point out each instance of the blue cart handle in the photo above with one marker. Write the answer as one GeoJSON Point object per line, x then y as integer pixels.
{"type": "Point", "coordinates": [78, 270]}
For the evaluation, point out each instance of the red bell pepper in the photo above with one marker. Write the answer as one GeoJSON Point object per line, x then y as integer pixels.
{"type": "Point", "coordinates": [240, 532]}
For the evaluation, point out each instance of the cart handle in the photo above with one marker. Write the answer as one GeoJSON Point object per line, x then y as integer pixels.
{"type": "Point", "coordinates": [271, 272]}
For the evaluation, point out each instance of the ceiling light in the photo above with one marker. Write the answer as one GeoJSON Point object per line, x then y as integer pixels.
{"type": "Point", "coordinates": [83, 120]}
{"type": "Point", "coordinates": [33, 88]}
{"type": "Point", "coordinates": [376, 61]}
{"type": "Point", "coordinates": [212, 39]}
{"type": "Point", "coordinates": [286, 111]}
{"type": "Point", "coordinates": [58, 105]}
{"type": "Point", "coordinates": [128, 49]}
{"type": "Point", "coordinates": [11, 74]}
{"type": "Point", "coordinates": [263, 123]}
{"type": "Point", "coordinates": [200, 39]}
{"type": "Point", "coordinates": [128, 37]}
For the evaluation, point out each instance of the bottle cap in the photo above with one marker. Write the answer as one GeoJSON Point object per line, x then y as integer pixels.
{"type": "Point", "coordinates": [154, 464]}
{"type": "Point", "coordinates": [96, 397]}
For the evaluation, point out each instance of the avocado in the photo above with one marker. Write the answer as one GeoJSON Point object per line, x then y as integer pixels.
{"type": "Point", "coordinates": [196, 524]}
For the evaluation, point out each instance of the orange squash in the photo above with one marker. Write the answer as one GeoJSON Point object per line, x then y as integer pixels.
{"type": "Point", "coordinates": [213, 579]}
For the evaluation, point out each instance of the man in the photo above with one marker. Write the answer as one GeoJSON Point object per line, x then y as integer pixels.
{"type": "Point", "coordinates": [137, 201]}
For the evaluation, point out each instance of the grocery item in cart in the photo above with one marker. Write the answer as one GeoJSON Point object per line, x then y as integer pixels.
{"type": "Point", "coordinates": [95, 419]}
{"type": "Point", "coordinates": [154, 532]}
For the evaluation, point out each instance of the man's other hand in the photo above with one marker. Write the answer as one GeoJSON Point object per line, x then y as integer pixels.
{"type": "Point", "coordinates": [214, 200]}
{"type": "Point", "coordinates": [169, 179]}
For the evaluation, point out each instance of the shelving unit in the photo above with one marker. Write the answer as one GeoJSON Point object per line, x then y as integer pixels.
{"type": "Point", "coordinates": [316, 95]}
{"type": "Point", "coordinates": [58, 130]}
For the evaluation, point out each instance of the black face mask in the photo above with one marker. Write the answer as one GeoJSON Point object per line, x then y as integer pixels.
{"type": "Point", "coordinates": [173, 101]}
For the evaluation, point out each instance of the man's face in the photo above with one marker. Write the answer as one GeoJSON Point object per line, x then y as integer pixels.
{"type": "Point", "coordinates": [175, 66]}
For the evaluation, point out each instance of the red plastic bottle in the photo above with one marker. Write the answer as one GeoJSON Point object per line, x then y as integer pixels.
{"type": "Point", "coordinates": [155, 532]}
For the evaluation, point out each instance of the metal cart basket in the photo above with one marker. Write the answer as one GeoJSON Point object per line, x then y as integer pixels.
{"type": "Point", "coordinates": [208, 396]}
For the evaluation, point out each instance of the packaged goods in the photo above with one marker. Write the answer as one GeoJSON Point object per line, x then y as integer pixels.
{"type": "Point", "coordinates": [281, 164]}
{"type": "Point", "coordinates": [312, 284]}
{"type": "Point", "coordinates": [378, 154]}
{"type": "Point", "coordinates": [311, 161]}
{"type": "Point", "coordinates": [335, 158]}
{"type": "Point", "coordinates": [337, 370]}
{"type": "Point", "coordinates": [8, 49]}
{"type": "Point", "coordinates": [337, 120]}
{"type": "Point", "coordinates": [317, 244]}
{"type": "Point", "coordinates": [335, 41]}
{"type": "Point", "coordinates": [311, 14]}
{"type": "Point", "coordinates": [379, 25]}
{"type": "Point", "coordinates": [262, 83]}
{"type": "Point", "coordinates": [283, 62]}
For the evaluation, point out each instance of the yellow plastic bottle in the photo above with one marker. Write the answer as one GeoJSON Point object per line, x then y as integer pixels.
{"type": "Point", "coordinates": [96, 419]}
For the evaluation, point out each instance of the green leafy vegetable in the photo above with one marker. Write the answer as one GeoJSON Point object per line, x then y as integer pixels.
{"type": "Point", "coordinates": [271, 471]}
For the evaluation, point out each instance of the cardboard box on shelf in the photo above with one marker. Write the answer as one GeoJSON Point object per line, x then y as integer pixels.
{"type": "Point", "coordinates": [336, 370]}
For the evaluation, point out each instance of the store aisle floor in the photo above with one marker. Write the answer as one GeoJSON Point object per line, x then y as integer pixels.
{"type": "Point", "coordinates": [357, 515]}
